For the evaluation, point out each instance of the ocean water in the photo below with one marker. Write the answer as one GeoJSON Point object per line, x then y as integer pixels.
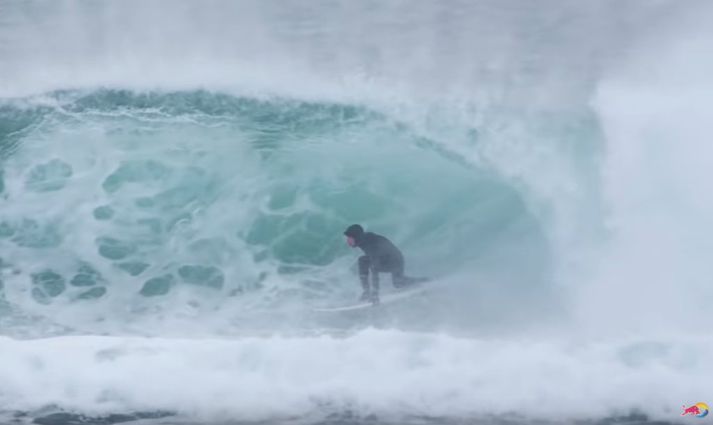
{"type": "Point", "coordinates": [176, 176]}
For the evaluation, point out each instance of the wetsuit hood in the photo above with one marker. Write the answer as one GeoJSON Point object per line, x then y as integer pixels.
{"type": "Point", "coordinates": [354, 231]}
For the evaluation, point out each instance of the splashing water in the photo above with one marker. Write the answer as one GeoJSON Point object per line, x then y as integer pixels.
{"type": "Point", "coordinates": [185, 171]}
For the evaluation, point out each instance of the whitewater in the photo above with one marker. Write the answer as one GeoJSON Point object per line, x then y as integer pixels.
{"type": "Point", "coordinates": [175, 178]}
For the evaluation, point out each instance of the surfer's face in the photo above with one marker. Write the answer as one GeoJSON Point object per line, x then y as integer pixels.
{"type": "Point", "coordinates": [351, 242]}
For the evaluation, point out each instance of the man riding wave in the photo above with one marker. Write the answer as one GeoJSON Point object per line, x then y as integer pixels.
{"type": "Point", "coordinates": [380, 256]}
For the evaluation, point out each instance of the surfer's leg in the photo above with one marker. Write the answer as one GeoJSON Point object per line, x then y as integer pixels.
{"type": "Point", "coordinates": [364, 265]}
{"type": "Point", "coordinates": [374, 295]}
{"type": "Point", "coordinates": [397, 275]}
{"type": "Point", "coordinates": [398, 279]}
{"type": "Point", "coordinates": [401, 281]}
{"type": "Point", "coordinates": [374, 286]}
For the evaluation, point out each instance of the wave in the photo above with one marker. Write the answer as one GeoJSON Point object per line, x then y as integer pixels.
{"type": "Point", "coordinates": [542, 162]}
{"type": "Point", "coordinates": [203, 201]}
{"type": "Point", "coordinates": [418, 376]}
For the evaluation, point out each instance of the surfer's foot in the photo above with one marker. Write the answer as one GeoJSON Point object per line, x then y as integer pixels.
{"type": "Point", "coordinates": [374, 298]}
{"type": "Point", "coordinates": [365, 296]}
{"type": "Point", "coordinates": [409, 281]}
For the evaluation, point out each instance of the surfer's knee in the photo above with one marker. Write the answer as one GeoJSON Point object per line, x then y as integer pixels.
{"type": "Point", "coordinates": [364, 265]}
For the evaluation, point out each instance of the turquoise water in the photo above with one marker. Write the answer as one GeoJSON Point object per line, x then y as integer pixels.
{"type": "Point", "coordinates": [175, 178]}
{"type": "Point", "coordinates": [143, 196]}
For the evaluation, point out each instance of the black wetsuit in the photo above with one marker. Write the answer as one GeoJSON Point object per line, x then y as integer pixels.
{"type": "Point", "coordinates": [380, 256]}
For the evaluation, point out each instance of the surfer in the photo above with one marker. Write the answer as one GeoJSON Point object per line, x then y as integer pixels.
{"type": "Point", "coordinates": [380, 256]}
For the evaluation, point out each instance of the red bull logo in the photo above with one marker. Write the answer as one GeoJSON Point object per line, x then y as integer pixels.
{"type": "Point", "coordinates": [698, 410]}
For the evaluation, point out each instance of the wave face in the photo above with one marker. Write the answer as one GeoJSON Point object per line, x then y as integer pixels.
{"type": "Point", "coordinates": [182, 170]}
{"type": "Point", "coordinates": [192, 202]}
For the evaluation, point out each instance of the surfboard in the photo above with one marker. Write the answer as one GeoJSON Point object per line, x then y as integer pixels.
{"type": "Point", "coordinates": [385, 299]}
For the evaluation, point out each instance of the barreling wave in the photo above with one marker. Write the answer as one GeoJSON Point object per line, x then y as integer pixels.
{"type": "Point", "coordinates": [542, 162]}
{"type": "Point", "coordinates": [197, 199]}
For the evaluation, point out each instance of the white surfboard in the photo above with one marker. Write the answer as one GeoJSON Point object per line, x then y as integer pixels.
{"type": "Point", "coordinates": [383, 299]}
